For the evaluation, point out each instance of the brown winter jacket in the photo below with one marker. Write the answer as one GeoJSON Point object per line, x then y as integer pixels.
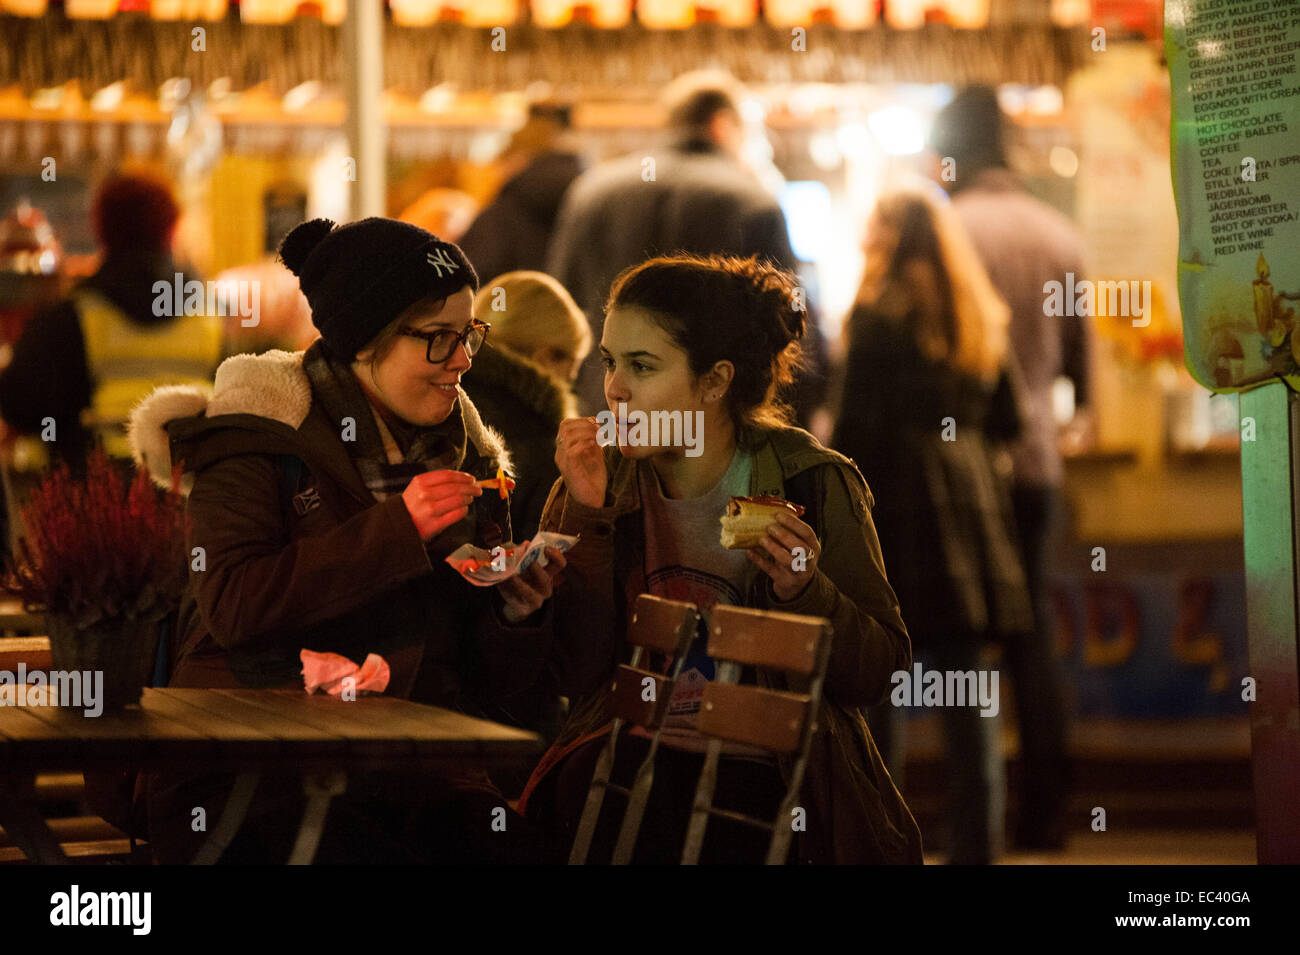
{"type": "Point", "coordinates": [316, 563]}
{"type": "Point", "coordinates": [854, 812]}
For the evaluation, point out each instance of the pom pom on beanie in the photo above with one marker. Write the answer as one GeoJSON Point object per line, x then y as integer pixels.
{"type": "Point", "coordinates": [300, 242]}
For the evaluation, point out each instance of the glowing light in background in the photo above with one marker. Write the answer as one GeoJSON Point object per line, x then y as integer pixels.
{"type": "Point", "coordinates": [438, 99]}
{"type": "Point", "coordinates": [109, 98]}
{"type": "Point", "coordinates": [479, 13]}
{"type": "Point", "coordinates": [220, 88]}
{"type": "Point", "coordinates": [852, 139]}
{"type": "Point", "coordinates": [752, 109]}
{"type": "Point", "coordinates": [823, 151]}
{"type": "Point", "coordinates": [485, 146]}
{"type": "Point", "coordinates": [1044, 101]}
{"type": "Point", "coordinates": [1064, 161]}
{"type": "Point", "coordinates": [301, 96]}
{"type": "Point", "coordinates": [899, 130]}
{"type": "Point", "coordinates": [1072, 13]}
{"type": "Point", "coordinates": [807, 208]}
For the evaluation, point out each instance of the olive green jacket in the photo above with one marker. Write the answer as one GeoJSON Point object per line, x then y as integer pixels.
{"type": "Point", "coordinates": [854, 812]}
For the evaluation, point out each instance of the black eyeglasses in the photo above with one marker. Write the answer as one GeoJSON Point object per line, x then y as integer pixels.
{"type": "Point", "coordinates": [440, 345]}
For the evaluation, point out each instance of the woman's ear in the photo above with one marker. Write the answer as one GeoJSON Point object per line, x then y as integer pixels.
{"type": "Point", "coordinates": [717, 380]}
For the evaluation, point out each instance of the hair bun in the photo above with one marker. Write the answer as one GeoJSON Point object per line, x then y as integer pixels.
{"type": "Point", "coordinates": [298, 244]}
{"type": "Point", "coordinates": [795, 314]}
{"type": "Point", "coordinates": [784, 305]}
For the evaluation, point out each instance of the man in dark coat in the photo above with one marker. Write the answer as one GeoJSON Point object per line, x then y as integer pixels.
{"type": "Point", "coordinates": [1024, 243]}
{"type": "Point", "coordinates": [514, 230]}
{"type": "Point", "coordinates": [691, 195]}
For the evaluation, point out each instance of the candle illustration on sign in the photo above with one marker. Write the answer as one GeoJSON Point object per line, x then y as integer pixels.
{"type": "Point", "coordinates": [1274, 320]}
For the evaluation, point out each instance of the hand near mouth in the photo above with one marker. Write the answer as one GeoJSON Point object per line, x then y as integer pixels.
{"type": "Point", "coordinates": [581, 461]}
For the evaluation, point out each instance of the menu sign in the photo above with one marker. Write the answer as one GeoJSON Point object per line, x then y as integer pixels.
{"type": "Point", "coordinates": [1234, 68]}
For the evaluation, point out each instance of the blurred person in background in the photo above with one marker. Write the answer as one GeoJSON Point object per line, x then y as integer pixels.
{"type": "Point", "coordinates": [32, 274]}
{"type": "Point", "coordinates": [80, 367]}
{"type": "Point", "coordinates": [32, 264]}
{"type": "Point", "coordinates": [284, 316]}
{"type": "Point", "coordinates": [927, 392]}
{"type": "Point", "coordinates": [523, 376]}
{"type": "Point", "coordinates": [513, 231]}
{"type": "Point", "coordinates": [521, 386]}
{"type": "Point", "coordinates": [284, 319]}
{"type": "Point", "coordinates": [443, 211]}
{"type": "Point", "coordinates": [1025, 243]}
{"type": "Point", "coordinates": [699, 198]}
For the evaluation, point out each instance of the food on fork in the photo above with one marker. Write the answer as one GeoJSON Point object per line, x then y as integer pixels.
{"type": "Point", "coordinates": [748, 518]}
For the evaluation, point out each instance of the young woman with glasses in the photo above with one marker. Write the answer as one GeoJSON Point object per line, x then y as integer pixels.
{"type": "Point", "coordinates": [327, 487]}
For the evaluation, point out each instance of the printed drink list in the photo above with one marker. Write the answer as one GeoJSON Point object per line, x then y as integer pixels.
{"type": "Point", "coordinates": [1234, 67]}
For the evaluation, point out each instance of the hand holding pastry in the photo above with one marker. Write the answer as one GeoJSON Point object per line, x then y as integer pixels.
{"type": "Point", "coordinates": [783, 546]}
{"type": "Point", "coordinates": [747, 519]}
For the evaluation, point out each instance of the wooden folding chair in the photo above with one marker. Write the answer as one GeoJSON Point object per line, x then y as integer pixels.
{"type": "Point", "coordinates": [666, 626]}
{"type": "Point", "coordinates": [779, 722]}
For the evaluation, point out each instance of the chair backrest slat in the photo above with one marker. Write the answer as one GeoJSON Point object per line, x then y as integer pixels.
{"type": "Point", "coordinates": [779, 722]}
{"type": "Point", "coordinates": [628, 692]}
{"type": "Point", "coordinates": [749, 714]}
{"type": "Point", "coordinates": [765, 638]}
{"type": "Point", "coordinates": [661, 624]}
{"type": "Point", "coordinates": [667, 627]}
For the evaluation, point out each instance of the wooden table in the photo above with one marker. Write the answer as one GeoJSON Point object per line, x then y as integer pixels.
{"type": "Point", "coordinates": [14, 617]}
{"type": "Point", "coordinates": [240, 731]}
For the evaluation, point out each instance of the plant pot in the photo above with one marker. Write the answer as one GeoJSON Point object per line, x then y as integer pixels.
{"type": "Point", "coordinates": [122, 650]}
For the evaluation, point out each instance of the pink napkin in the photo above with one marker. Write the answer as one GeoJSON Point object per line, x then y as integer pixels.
{"type": "Point", "coordinates": [327, 671]}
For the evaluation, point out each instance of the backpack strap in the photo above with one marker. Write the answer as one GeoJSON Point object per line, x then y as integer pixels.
{"type": "Point", "coordinates": [805, 489]}
{"type": "Point", "coordinates": [291, 472]}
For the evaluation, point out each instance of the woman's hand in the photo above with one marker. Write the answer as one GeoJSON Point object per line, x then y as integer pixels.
{"type": "Point", "coordinates": [581, 461]}
{"type": "Point", "coordinates": [775, 555]}
{"type": "Point", "coordinates": [437, 499]}
{"type": "Point", "coordinates": [525, 593]}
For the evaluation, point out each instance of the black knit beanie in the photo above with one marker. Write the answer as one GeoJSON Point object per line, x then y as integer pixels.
{"type": "Point", "coordinates": [970, 129]}
{"type": "Point", "coordinates": [360, 276]}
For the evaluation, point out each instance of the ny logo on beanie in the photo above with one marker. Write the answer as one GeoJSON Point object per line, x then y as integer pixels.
{"type": "Point", "coordinates": [439, 260]}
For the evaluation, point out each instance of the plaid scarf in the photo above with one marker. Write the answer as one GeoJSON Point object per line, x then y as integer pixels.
{"type": "Point", "coordinates": [387, 451]}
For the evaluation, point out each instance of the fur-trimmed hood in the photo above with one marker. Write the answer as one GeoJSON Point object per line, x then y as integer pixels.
{"type": "Point", "coordinates": [267, 393]}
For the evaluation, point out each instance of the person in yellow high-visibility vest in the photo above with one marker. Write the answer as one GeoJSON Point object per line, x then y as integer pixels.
{"type": "Point", "coordinates": [137, 323]}
{"type": "Point", "coordinates": [127, 361]}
